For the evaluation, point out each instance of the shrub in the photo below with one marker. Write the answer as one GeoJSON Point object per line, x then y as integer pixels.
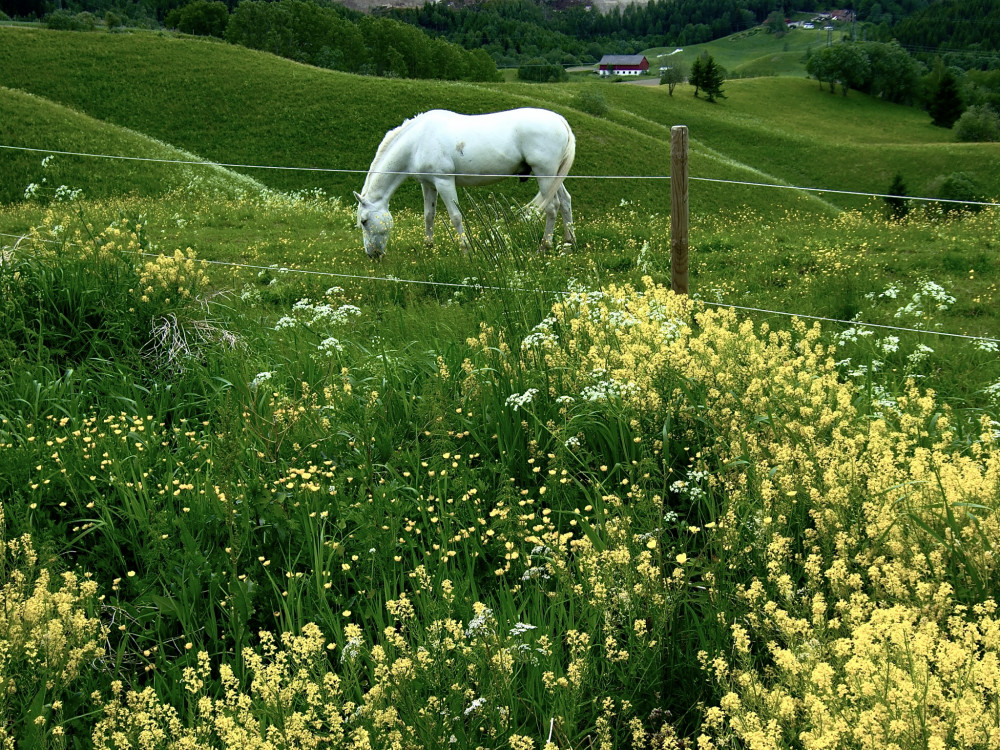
{"type": "Point", "coordinates": [201, 17]}
{"type": "Point", "coordinates": [63, 20]}
{"type": "Point", "coordinates": [958, 186]}
{"type": "Point", "coordinates": [592, 102]}
{"type": "Point", "coordinates": [538, 70]}
{"type": "Point", "coordinates": [977, 124]}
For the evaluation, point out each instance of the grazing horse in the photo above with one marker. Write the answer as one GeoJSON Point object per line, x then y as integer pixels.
{"type": "Point", "coordinates": [442, 150]}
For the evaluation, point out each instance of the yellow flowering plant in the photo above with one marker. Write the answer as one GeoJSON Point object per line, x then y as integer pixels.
{"type": "Point", "coordinates": [50, 640]}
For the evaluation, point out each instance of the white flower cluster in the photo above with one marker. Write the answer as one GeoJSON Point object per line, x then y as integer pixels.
{"type": "Point", "coordinates": [250, 294]}
{"type": "Point", "coordinates": [929, 296]}
{"type": "Point", "coordinates": [692, 485]}
{"type": "Point", "coordinates": [541, 572]}
{"type": "Point", "coordinates": [882, 399]}
{"type": "Point", "coordinates": [862, 371]}
{"type": "Point", "coordinates": [351, 649]}
{"type": "Point", "coordinates": [311, 313]}
{"type": "Point", "coordinates": [329, 346]}
{"type": "Point", "coordinates": [475, 705]}
{"type": "Point", "coordinates": [853, 334]}
{"type": "Point", "coordinates": [481, 624]}
{"type": "Point", "coordinates": [890, 292]}
{"type": "Point", "coordinates": [993, 391]}
{"type": "Point", "coordinates": [66, 194]}
{"type": "Point", "coordinates": [919, 354]}
{"type": "Point", "coordinates": [520, 629]}
{"type": "Point", "coordinates": [517, 400]}
{"type": "Point", "coordinates": [541, 336]}
{"type": "Point", "coordinates": [607, 390]}
{"type": "Point", "coordinates": [259, 379]}
{"type": "Point", "coordinates": [889, 344]}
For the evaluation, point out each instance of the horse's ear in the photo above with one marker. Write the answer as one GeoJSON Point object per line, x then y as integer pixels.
{"type": "Point", "coordinates": [358, 196]}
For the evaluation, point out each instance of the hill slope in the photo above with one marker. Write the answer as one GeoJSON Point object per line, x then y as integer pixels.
{"type": "Point", "coordinates": [31, 121]}
{"type": "Point", "coordinates": [235, 105]}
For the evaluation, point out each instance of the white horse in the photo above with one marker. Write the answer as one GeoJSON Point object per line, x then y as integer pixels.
{"type": "Point", "coordinates": [442, 150]}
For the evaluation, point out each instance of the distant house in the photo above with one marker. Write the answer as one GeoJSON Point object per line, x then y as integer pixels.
{"type": "Point", "coordinates": [622, 65]}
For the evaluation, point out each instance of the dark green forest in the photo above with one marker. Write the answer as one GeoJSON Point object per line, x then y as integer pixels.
{"type": "Point", "coordinates": [466, 41]}
{"type": "Point", "coordinates": [967, 31]}
{"type": "Point", "coordinates": [512, 30]}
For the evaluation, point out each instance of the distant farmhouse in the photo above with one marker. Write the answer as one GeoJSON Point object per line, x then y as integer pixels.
{"type": "Point", "coordinates": [824, 19]}
{"type": "Point", "coordinates": [622, 65]}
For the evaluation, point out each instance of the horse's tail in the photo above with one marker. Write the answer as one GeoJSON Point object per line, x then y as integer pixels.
{"type": "Point", "coordinates": [541, 202]}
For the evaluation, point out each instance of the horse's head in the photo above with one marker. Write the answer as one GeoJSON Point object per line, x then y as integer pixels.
{"type": "Point", "coordinates": [376, 223]}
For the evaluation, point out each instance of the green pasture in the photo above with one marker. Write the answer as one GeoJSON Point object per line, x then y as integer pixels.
{"type": "Point", "coordinates": [258, 491]}
{"type": "Point", "coordinates": [237, 106]}
{"type": "Point", "coordinates": [754, 52]}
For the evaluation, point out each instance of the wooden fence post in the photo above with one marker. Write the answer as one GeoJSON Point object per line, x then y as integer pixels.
{"type": "Point", "coordinates": [679, 209]}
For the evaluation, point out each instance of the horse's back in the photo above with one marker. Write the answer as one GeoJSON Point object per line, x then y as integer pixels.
{"type": "Point", "coordinates": [532, 132]}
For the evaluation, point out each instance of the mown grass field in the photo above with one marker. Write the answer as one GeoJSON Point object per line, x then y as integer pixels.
{"type": "Point", "coordinates": [258, 491]}
{"type": "Point", "coordinates": [753, 52]}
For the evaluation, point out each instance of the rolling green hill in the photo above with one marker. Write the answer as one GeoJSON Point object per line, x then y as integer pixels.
{"type": "Point", "coordinates": [31, 119]}
{"type": "Point", "coordinates": [233, 105]}
{"type": "Point", "coordinates": [754, 52]}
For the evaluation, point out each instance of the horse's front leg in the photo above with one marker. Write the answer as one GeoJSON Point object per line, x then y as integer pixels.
{"type": "Point", "coordinates": [448, 191]}
{"type": "Point", "coordinates": [430, 207]}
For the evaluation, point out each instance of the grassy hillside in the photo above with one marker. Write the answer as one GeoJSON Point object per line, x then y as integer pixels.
{"type": "Point", "coordinates": [753, 52]}
{"type": "Point", "coordinates": [30, 120]}
{"type": "Point", "coordinates": [787, 130]}
{"type": "Point", "coordinates": [230, 104]}
{"type": "Point", "coordinates": [234, 105]}
{"type": "Point", "coordinates": [318, 501]}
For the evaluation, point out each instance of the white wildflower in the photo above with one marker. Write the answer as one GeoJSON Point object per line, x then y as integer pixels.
{"type": "Point", "coordinates": [919, 354]}
{"type": "Point", "coordinates": [259, 379]}
{"type": "Point", "coordinates": [516, 400]}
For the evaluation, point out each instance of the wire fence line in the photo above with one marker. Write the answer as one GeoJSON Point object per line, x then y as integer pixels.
{"type": "Point", "coordinates": [561, 293]}
{"type": "Point", "coordinates": [335, 170]}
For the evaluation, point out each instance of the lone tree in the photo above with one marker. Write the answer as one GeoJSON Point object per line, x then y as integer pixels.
{"type": "Point", "coordinates": [672, 76]}
{"type": "Point", "coordinates": [946, 105]}
{"type": "Point", "coordinates": [697, 74]}
{"type": "Point", "coordinates": [712, 76]}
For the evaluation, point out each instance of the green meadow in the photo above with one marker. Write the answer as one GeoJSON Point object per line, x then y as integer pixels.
{"type": "Point", "coordinates": [754, 52]}
{"type": "Point", "coordinates": [257, 490]}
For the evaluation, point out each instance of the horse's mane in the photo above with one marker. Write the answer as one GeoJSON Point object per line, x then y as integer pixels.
{"type": "Point", "coordinates": [383, 148]}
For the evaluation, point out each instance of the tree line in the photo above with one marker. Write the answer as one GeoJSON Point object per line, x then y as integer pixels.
{"type": "Point", "coordinates": [328, 36]}
{"type": "Point", "coordinates": [968, 100]}
{"type": "Point", "coordinates": [337, 38]}
{"type": "Point", "coordinates": [512, 31]}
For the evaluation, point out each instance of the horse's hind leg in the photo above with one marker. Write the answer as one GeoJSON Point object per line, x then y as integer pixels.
{"type": "Point", "coordinates": [430, 207]}
{"type": "Point", "coordinates": [550, 225]}
{"type": "Point", "coordinates": [566, 211]}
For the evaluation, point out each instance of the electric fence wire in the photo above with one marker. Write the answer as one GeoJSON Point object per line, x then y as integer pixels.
{"type": "Point", "coordinates": [336, 170]}
{"type": "Point", "coordinates": [561, 293]}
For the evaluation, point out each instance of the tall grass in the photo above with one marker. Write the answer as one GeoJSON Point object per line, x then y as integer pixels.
{"type": "Point", "coordinates": [354, 511]}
